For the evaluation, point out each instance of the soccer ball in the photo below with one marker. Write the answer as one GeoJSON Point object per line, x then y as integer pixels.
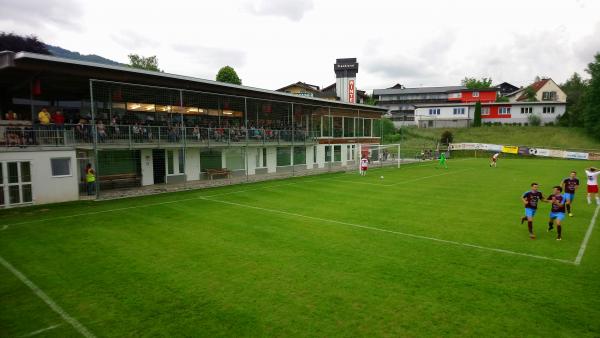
{"type": "Point", "coordinates": [381, 177]}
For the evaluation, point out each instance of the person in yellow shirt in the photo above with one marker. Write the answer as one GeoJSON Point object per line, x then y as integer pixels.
{"type": "Point", "coordinates": [90, 179]}
{"type": "Point", "coordinates": [44, 117]}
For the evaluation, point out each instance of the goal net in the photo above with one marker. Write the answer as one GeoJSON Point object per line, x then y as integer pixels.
{"type": "Point", "coordinates": [380, 155]}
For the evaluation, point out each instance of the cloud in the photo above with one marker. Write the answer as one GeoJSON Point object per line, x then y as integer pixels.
{"type": "Point", "coordinates": [586, 47]}
{"type": "Point", "coordinates": [132, 40]}
{"type": "Point", "coordinates": [211, 56]}
{"type": "Point", "coordinates": [38, 15]}
{"type": "Point", "coordinates": [291, 9]}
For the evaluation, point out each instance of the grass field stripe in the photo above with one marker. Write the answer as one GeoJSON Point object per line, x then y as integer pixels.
{"type": "Point", "coordinates": [397, 232]}
{"type": "Point", "coordinates": [426, 177]}
{"type": "Point", "coordinates": [43, 296]}
{"type": "Point", "coordinates": [35, 333]}
{"type": "Point", "coordinates": [588, 234]}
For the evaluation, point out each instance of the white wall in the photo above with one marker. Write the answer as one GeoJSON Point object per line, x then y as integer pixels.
{"type": "Point", "coordinates": [45, 188]}
{"type": "Point", "coordinates": [309, 157]}
{"type": "Point", "coordinates": [271, 159]}
{"type": "Point", "coordinates": [147, 167]}
{"type": "Point", "coordinates": [321, 155]}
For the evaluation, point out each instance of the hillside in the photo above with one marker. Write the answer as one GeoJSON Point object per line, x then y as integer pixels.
{"type": "Point", "coordinates": [549, 137]}
{"type": "Point", "coordinates": [65, 53]}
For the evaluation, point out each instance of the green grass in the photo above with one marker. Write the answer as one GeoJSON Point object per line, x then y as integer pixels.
{"type": "Point", "coordinates": [208, 263]}
{"type": "Point", "coordinates": [551, 137]}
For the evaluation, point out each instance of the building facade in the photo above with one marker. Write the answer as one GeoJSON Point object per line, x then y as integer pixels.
{"type": "Point", "coordinates": [141, 128]}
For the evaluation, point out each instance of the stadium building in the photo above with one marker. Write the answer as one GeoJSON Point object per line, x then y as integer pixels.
{"type": "Point", "coordinates": [143, 130]}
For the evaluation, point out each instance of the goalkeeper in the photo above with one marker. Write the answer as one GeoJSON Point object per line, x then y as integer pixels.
{"type": "Point", "coordinates": [443, 160]}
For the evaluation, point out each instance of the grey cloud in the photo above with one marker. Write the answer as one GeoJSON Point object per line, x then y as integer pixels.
{"type": "Point", "coordinates": [588, 46]}
{"type": "Point", "coordinates": [290, 9]}
{"type": "Point", "coordinates": [37, 15]}
{"type": "Point", "coordinates": [211, 56]}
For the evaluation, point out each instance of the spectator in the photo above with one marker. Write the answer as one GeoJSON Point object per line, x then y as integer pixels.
{"type": "Point", "coordinates": [11, 116]}
{"type": "Point", "coordinates": [44, 117]}
{"type": "Point", "coordinates": [101, 128]}
{"type": "Point", "coordinates": [90, 179]}
{"type": "Point", "coordinates": [59, 120]}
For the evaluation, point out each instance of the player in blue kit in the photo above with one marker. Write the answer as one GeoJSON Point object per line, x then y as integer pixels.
{"type": "Point", "coordinates": [557, 214]}
{"type": "Point", "coordinates": [570, 185]}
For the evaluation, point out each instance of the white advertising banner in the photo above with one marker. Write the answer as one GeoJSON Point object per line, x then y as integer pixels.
{"type": "Point", "coordinates": [576, 155]}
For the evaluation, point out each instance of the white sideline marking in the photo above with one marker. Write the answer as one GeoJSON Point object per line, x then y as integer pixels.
{"type": "Point", "coordinates": [398, 232]}
{"type": "Point", "coordinates": [43, 296]}
{"type": "Point", "coordinates": [588, 234]}
{"type": "Point", "coordinates": [42, 330]}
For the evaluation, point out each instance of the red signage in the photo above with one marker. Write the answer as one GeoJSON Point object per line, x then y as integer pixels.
{"type": "Point", "coordinates": [351, 91]}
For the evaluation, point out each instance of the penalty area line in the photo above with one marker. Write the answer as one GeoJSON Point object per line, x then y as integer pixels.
{"type": "Point", "coordinates": [586, 239]}
{"type": "Point", "coordinates": [44, 297]}
{"type": "Point", "coordinates": [399, 233]}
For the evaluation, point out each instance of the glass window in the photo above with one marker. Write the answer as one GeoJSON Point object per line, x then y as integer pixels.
{"type": "Point", "coordinates": [299, 155]}
{"type": "Point", "coordinates": [25, 172]}
{"type": "Point", "coordinates": [60, 166]}
{"type": "Point", "coordinates": [264, 157]}
{"type": "Point", "coordinates": [337, 153]}
{"type": "Point", "coordinates": [181, 161]}
{"type": "Point", "coordinates": [170, 164]}
{"type": "Point", "coordinates": [284, 156]}
{"type": "Point", "coordinates": [26, 193]}
{"type": "Point", "coordinates": [1, 195]}
{"type": "Point", "coordinates": [327, 153]}
{"type": "Point", "coordinates": [13, 194]}
{"type": "Point", "coordinates": [367, 127]}
{"type": "Point", "coordinates": [13, 172]}
{"type": "Point", "coordinates": [348, 126]}
{"type": "Point", "coordinates": [315, 154]}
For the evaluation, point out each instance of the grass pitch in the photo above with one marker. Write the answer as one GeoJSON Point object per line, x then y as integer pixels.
{"type": "Point", "coordinates": [421, 252]}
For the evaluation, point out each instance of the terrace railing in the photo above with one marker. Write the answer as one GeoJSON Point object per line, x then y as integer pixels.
{"type": "Point", "coordinates": [73, 135]}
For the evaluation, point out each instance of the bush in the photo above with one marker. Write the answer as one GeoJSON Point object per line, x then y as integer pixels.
{"type": "Point", "coordinates": [534, 120]}
{"type": "Point", "coordinates": [447, 137]}
{"type": "Point", "coordinates": [550, 124]}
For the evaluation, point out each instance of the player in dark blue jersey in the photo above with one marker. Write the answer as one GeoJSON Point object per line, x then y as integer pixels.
{"type": "Point", "coordinates": [570, 185]}
{"type": "Point", "coordinates": [531, 200]}
{"type": "Point", "coordinates": [557, 214]}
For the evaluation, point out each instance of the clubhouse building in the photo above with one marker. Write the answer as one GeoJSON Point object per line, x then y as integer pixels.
{"type": "Point", "coordinates": [141, 129]}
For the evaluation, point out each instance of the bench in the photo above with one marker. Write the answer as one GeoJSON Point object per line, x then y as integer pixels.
{"type": "Point", "coordinates": [119, 181]}
{"type": "Point", "coordinates": [222, 172]}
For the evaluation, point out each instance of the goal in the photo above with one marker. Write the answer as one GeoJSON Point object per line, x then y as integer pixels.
{"type": "Point", "coordinates": [380, 155]}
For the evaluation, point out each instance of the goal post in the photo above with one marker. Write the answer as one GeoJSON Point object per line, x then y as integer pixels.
{"type": "Point", "coordinates": [380, 155]}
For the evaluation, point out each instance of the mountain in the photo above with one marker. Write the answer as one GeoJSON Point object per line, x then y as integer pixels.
{"type": "Point", "coordinates": [65, 53]}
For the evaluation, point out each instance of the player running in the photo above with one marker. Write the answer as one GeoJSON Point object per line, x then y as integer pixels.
{"type": "Point", "coordinates": [531, 200]}
{"type": "Point", "coordinates": [592, 184]}
{"type": "Point", "coordinates": [442, 160]}
{"type": "Point", "coordinates": [494, 160]}
{"type": "Point", "coordinates": [364, 165]}
{"type": "Point", "coordinates": [570, 185]}
{"type": "Point", "coordinates": [557, 214]}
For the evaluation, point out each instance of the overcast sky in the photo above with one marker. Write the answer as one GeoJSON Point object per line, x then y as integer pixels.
{"type": "Point", "coordinates": [272, 43]}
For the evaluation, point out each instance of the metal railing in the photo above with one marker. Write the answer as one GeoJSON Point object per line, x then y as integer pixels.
{"type": "Point", "coordinates": [134, 135]}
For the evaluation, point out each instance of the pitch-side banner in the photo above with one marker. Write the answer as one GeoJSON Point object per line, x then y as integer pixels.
{"type": "Point", "coordinates": [510, 149]}
{"type": "Point", "coordinates": [526, 151]}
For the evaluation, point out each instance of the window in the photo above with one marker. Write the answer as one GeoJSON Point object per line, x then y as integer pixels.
{"type": "Point", "coordinates": [434, 111]}
{"type": "Point", "coordinates": [337, 153]}
{"type": "Point", "coordinates": [264, 157]}
{"type": "Point", "coordinates": [475, 94]}
{"type": "Point", "coordinates": [549, 96]}
{"type": "Point", "coordinates": [17, 187]}
{"type": "Point", "coordinates": [170, 164]}
{"type": "Point", "coordinates": [526, 110]}
{"type": "Point", "coordinates": [504, 111]}
{"type": "Point", "coordinates": [181, 161]}
{"type": "Point", "coordinates": [60, 166]}
{"type": "Point", "coordinates": [327, 153]}
{"type": "Point", "coordinates": [315, 154]}
{"type": "Point", "coordinates": [485, 111]}
{"type": "Point", "coordinates": [261, 157]}
{"type": "Point", "coordinates": [299, 155]}
{"type": "Point", "coordinates": [458, 111]}
{"type": "Point", "coordinates": [548, 110]}
{"type": "Point", "coordinates": [454, 95]}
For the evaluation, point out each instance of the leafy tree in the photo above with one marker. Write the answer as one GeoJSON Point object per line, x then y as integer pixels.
{"type": "Point", "coordinates": [529, 93]}
{"type": "Point", "coordinates": [473, 83]}
{"type": "Point", "coordinates": [592, 99]}
{"type": "Point", "coordinates": [228, 74]}
{"type": "Point", "coordinates": [477, 115]}
{"type": "Point", "coordinates": [370, 100]}
{"type": "Point", "coordinates": [502, 99]}
{"type": "Point", "coordinates": [446, 137]}
{"type": "Point", "coordinates": [17, 43]}
{"type": "Point", "coordinates": [142, 62]}
{"type": "Point", "coordinates": [575, 88]}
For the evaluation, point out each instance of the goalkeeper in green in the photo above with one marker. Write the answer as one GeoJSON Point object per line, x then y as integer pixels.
{"type": "Point", "coordinates": [443, 160]}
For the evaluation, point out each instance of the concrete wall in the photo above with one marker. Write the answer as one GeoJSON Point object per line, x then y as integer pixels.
{"type": "Point", "coordinates": [45, 188]}
{"type": "Point", "coordinates": [192, 164]}
{"type": "Point", "coordinates": [271, 159]}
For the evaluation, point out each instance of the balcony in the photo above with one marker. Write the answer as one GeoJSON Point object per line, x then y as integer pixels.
{"type": "Point", "coordinates": [142, 136]}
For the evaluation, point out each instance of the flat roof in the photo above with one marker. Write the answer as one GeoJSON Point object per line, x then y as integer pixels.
{"type": "Point", "coordinates": [418, 90]}
{"type": "Point", "coordinates": [31, 62]}
{"type": "Point", "coordinates": [469, 104]}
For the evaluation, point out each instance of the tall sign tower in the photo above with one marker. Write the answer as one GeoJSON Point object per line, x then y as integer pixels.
{"type": "Point", "coordinates": [345, 79]}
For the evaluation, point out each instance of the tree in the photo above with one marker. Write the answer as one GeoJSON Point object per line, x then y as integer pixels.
{"type": "Point", "coordinates": [530, 93]}
{"type": "Point", "coordinates": [592, 99]}
{"type": "Point", "coordinates": [370, 100]}
{"type": "Point", "coordinates": [534, 120]}
{"type": "Point", "coordinates": [477, 115]}
{"type": "Point", "coordinates": [17, 43]}
{"type": "Point", "coordinates": [575, 88]}
{"type": "Point", "coordinates": [141, 62]}
{"type": "Point", "coordinates": [473, 83]}
{"type": "Point", "coordinates": [446, 137]}
{"type": "Point", "coordinates": [228, 74]}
